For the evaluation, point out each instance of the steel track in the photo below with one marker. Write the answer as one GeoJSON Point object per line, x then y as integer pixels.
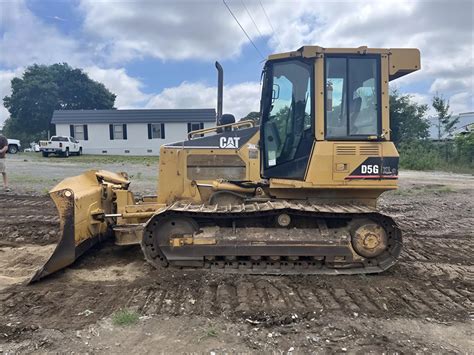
{"type": "Point", "coordinates": [279, 265]}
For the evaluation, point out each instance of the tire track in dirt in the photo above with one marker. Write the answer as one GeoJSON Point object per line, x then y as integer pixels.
{"type": "Point", "coordinates": [433, 279]}
{"type": "Point", "coordinates": [439, 250]}
{"type": "Point", "coordinates": [449, 215]}
{"type": "Point", "coordinates": [28, 219]}
{"type": "Point", "coordinates": [15, 201]}
{"type": "Point", "coordinates": [15, 219]}
{"type": "Point", "coordinates": [437, 270]}
{"type": "Point", "coordinates": [284, 301]}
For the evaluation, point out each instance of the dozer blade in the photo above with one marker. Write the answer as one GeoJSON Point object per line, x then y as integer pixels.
{"type": "Point", "coordinates": [80, 201]}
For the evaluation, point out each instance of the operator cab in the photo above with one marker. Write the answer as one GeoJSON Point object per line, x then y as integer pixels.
{"type": "Point", "coordinates": [352, 97]}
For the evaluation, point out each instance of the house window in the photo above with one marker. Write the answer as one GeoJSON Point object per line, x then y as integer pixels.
{"type": "Point", "coordinates": [79, 131]}
{"type": "Point", "coordinates": [194, 126]}
{"type": "Point", "coordinates": [118, 131]}
{"type": "Point", "coordinates": [156, 131]}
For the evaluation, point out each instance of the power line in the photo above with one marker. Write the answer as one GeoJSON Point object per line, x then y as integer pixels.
{"type": "Point", "coordinates": [250, 39]}
{"type": "Point", "coordinates": [248, 12]}
{"type": "Point", "coordinates": [269, 22]}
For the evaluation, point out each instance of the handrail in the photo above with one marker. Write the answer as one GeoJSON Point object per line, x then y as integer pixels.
{"type": "Point", "coordinates": [249, 123]}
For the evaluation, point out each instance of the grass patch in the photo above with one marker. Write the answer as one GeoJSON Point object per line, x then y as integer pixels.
{"type": "Point", "coordinates": [424, 189]}
{"type": "Point", "coordinates": [125, 317]}
{"type": "Point", "coordinates": [401, 192]}
{"type": "Point", "coordinates": [31, 179]}
{"type": "Point", "coordinates": [90, 158]}
{"type": "Point", "coordinates": [209, 333]}
{"type": "Point", "coordinates": [445, 189]}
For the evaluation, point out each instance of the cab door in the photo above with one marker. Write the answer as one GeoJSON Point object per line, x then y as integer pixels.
{"type": "Point", "coordinates": [287, 118]}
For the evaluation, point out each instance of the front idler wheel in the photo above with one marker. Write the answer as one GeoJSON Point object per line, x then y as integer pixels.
{"type": "Point", "coordinates": [369, 239]}
{"type": "Point", "coordinates": [158, 234]}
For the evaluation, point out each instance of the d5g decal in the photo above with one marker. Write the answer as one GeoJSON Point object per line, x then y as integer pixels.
{"type": "Point", "coordinates": [376, 168]}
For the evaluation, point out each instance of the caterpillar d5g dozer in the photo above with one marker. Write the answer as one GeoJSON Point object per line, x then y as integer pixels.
{"type": "Point", "coordinates": [296, 194]}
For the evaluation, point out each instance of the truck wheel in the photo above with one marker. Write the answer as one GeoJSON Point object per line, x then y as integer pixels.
{"type": "Point", "coordinates": [79, 153]}
{"type": "Point", "coordinates": [45, 154]}
{"type": "Point", "coordinates": [66, 153]}
{"type": "Point", "coordinates": [12, 149]}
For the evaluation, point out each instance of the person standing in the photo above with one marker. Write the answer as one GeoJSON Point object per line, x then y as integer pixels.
{"type": "Point", "coordinates": [3, 153]}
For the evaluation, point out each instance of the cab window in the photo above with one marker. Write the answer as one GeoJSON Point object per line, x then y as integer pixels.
{"type": "Point", "coordinates": [352, 97]}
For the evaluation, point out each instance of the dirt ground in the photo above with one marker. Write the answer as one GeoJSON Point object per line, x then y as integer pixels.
{"type": "Point", "coordinates": [422, 304]}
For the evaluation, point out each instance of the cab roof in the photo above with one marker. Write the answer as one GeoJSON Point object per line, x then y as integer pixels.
{"type": "Point", "coordinates": [401, 61]}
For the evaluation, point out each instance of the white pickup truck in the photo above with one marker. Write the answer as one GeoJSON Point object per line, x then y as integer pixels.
{"type": "Point", "coordinates": [13, 146]}
{"type": "Point", "coordinates": [61, 145]}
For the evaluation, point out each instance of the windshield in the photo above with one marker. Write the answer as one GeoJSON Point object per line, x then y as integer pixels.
{"type": "Point", "coordinates": [287, 115]}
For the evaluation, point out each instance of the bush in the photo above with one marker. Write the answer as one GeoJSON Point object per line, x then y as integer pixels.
{"type": "Point", "coordinates": [465, 148]}
{"type": "Point", "coordinates": [452, 156]}
{"type": "Point", "coordinates": [419, 155]}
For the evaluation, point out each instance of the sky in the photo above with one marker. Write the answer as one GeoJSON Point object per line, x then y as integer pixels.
{"type": "Point", "coordinates": [161, 53]}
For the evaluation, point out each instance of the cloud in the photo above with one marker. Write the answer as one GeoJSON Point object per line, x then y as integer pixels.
{"type": "Point", "coordinates": [239, 99]}
{"type": "Point", "coordinates": [462, 102]}
{"type": "Point", "coordinates": [179, 30]}
{"type": "Point", "coordinates": [128, 89]}
{"type": "Point", "coordinates": [166, 29]}
{"type": "Point", "coordinates": [423, 99]}
{"type": "Point", "coordinates": [111, 34]}
{"type": "Point", "coordinates": [444, 84]}
{"type": "Point", "coordinates": [26, 39]}
{"type": "Point", "coordinates": [442, 30]}
{"type": "Point", "coordinates": [5, 90]}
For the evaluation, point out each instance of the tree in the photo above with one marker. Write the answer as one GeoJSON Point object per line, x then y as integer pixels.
{"type": "Point", "coordinates": [43, 89]}
{"type": "Point", "coordinates": [254, 116]}
{"type": "Point", "coordinates": [407, 119]}
{"type": "Point", "coordinates": [446, 121]}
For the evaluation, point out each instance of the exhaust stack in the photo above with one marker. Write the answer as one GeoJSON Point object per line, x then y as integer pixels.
{"type": "Point", "coordinates": [220, 91]}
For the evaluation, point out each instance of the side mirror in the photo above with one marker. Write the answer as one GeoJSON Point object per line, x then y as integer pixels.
{"type": "Point", "coordinates": [275, 92]}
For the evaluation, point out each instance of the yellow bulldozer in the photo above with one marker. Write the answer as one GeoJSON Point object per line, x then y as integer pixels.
{"type": "Point", "coordinates": [294, 194]}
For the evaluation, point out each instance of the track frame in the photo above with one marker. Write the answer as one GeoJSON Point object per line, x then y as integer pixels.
{"type": "Point", "coordinates": [330, 253]}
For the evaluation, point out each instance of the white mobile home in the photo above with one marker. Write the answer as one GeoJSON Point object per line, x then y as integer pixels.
{"type": "Point", "coordinates": [133, 132]}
